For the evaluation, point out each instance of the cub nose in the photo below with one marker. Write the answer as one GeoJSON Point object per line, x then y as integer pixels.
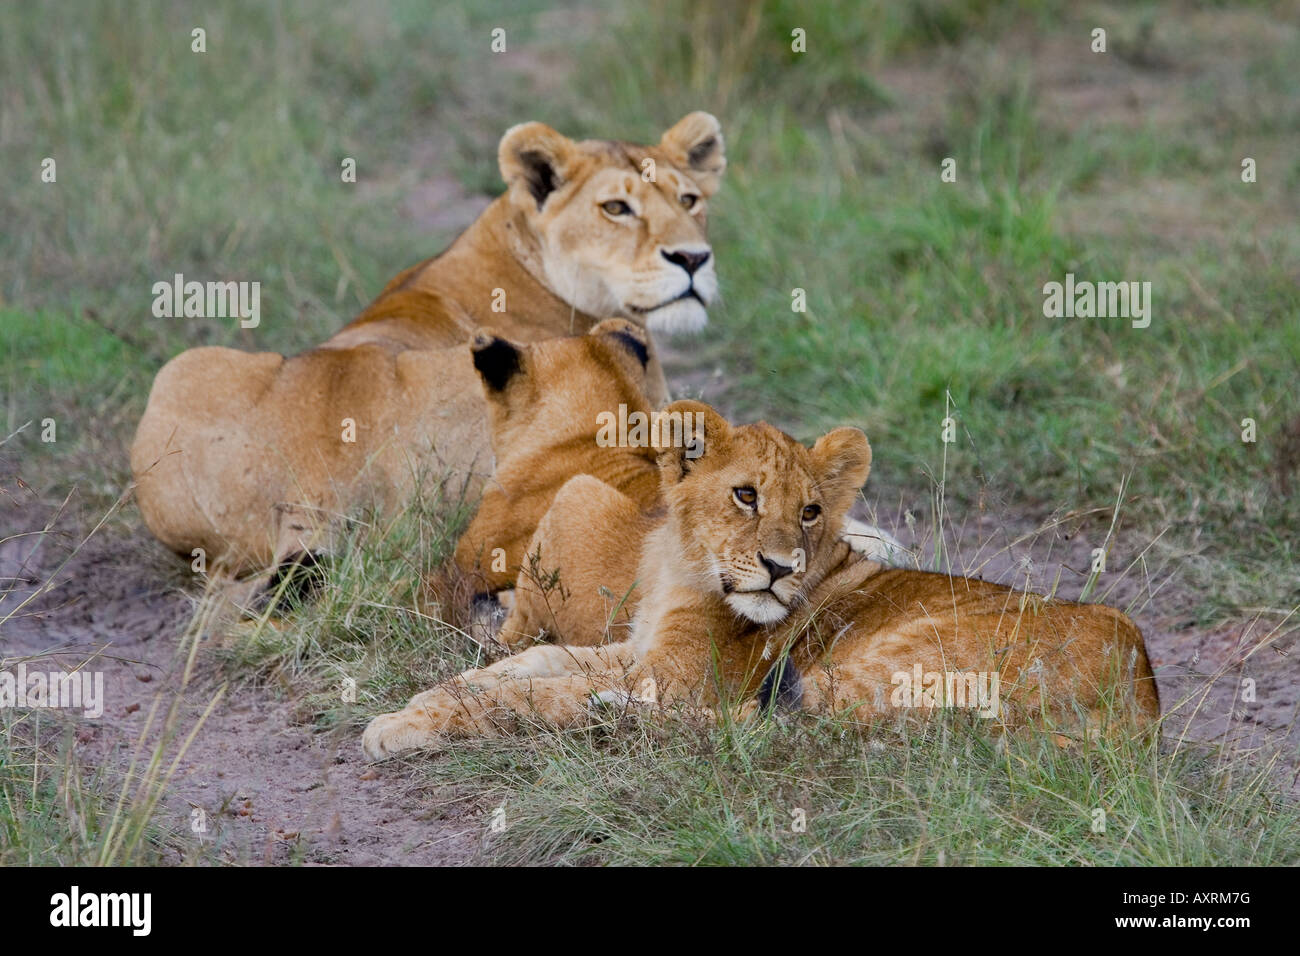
{"type": "Point", "coordinates": [776, 570]}
{"type": "Point", "coordinates": [690, 261]}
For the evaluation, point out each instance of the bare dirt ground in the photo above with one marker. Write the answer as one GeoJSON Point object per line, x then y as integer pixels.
{"type": "Point", "coordinates": [270, 790]}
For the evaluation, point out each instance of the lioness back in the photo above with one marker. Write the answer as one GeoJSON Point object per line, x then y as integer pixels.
{"type": "Point", "coordinates": [222, 461]}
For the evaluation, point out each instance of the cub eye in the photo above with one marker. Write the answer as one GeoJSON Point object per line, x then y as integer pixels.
{"type": "Point", "coordinates": [616, 207]}
{"type": "Point", "coordinates": [688, 200]}
{"type": "Point", "coordinates": [811, 513]}
{"type": "Point", "coordinates": [746, 496]}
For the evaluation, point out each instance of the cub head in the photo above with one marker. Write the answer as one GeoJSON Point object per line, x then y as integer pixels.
{"type": "Point", "coordinates": [757, 514]}
{"type": "Point", "coordinates": [545, 406]}
{"type": "Point", "coordinates": [546, 394]}
{"type": "Point", "coordinates": [619, 229]}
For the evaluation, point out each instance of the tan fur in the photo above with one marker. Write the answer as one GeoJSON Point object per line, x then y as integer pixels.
{"type": "Point", "coordinates": [708, 631]}
{"type": "Point", "coordinates": [544, 425]}
{"type": "Point", "coordinates": [231, 440]}
{"type": "Point", "coordinates": [554, 503]}
{"type": "Point", "coordinates": [246, 479]}
{"type": "Point", "coordinates": [578, 582]}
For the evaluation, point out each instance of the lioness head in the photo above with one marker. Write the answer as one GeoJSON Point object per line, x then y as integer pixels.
{"type": "Point", "coordinates": [758, 514]}
{"type": "Point", "coordinates": [620, 228]}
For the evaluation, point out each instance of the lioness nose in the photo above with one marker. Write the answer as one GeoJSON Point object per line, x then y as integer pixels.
{"type": "Point", "coordinates": [775, 569]}
{"type": "Point", "coordinates": [690, 261]}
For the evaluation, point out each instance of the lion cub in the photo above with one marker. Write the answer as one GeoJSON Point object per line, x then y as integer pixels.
{"type": "Point", "coordinates": [747, 590]}
{"type": "Point", "coordinates": [574, 434]}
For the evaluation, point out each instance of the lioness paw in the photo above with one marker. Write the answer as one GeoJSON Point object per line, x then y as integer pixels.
{"type": "Point", "coordinates": [873, 543]}
{"type": "Point", "coordinates": [616, 699]}
{"type": "Point", "coordinates": [389, 734]}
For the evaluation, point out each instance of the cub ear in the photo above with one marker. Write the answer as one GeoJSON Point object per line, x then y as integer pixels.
{"type": "Point", "coordinates": [496, 359]}
{"type": "Point", "coordinates": [695, 144]}
{"type": "Point", "coordinates": [684, 433]}
{"type": "Point", "coordinates": [842, 459]}
{"type": "Point", "coordinates": [534, 161]}
{"type": "Point", "coordinates": [627, 337]}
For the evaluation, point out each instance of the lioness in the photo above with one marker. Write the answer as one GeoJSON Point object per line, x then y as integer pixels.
{"type": "Point", "coordinates": [747, 589]}
{"type": "Point", "coordinates": [247, 455]}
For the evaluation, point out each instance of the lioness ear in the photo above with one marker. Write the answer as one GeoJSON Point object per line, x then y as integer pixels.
{"type": "Point", "coordinates": [684, 433]}
{"type": "Point", "coordinates": [534, 159]}
{"type": "Point", "coordinates": [497, 360]}
{"type": "Point", "coordinates": [695, 144]}
{"type": "Point", "coordinates": [842, 458]}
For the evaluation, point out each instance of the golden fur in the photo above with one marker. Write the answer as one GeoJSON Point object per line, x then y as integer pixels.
{"type": "Point", "coordinates": [555, 473]}
{"type": "Point", "coordinates": [544, 410]}
{"type": "Point", "coordinates": [232, 442]}
{"type": "Point", "coordinates": [761, 597]}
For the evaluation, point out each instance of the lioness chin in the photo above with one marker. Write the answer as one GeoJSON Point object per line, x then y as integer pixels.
{"type": "Point", "coordinates": [749, 594]}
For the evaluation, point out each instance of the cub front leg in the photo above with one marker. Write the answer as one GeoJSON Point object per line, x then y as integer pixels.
{"type": "Point", "coordinates": [574, 587]}
{"type": "Point", "coordinates": [554, 660]}
{"type": "Point", "coordinates": [690, 668]}
{"type": "Point", "coordinates": [552, 684]}
{"type": "Point", "coordinates": [459, 710]}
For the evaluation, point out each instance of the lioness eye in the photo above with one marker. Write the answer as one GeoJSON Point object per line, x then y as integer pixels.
{"type": "Point", "coordinates": [810, 513]}
{"type": "Point", "coordinates": [689, 200]}
{"type": "Point", "coordinates": [746, 496]}
{"type": "Point", "coordinates": [616, 207]}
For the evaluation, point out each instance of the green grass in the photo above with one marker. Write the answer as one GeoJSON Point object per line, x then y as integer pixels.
{"type": "Point", "coordinates": [56, 810]}
{"type": "Point", "coordinates": [921, 289]}
{"type": "Point", "coordinates": [947, 794]}
{"type": "Point", "coordinates": [920, 294]}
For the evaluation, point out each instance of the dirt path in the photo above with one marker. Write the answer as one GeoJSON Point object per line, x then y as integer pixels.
{"type": "Point", "coordinates": [270, 790]}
